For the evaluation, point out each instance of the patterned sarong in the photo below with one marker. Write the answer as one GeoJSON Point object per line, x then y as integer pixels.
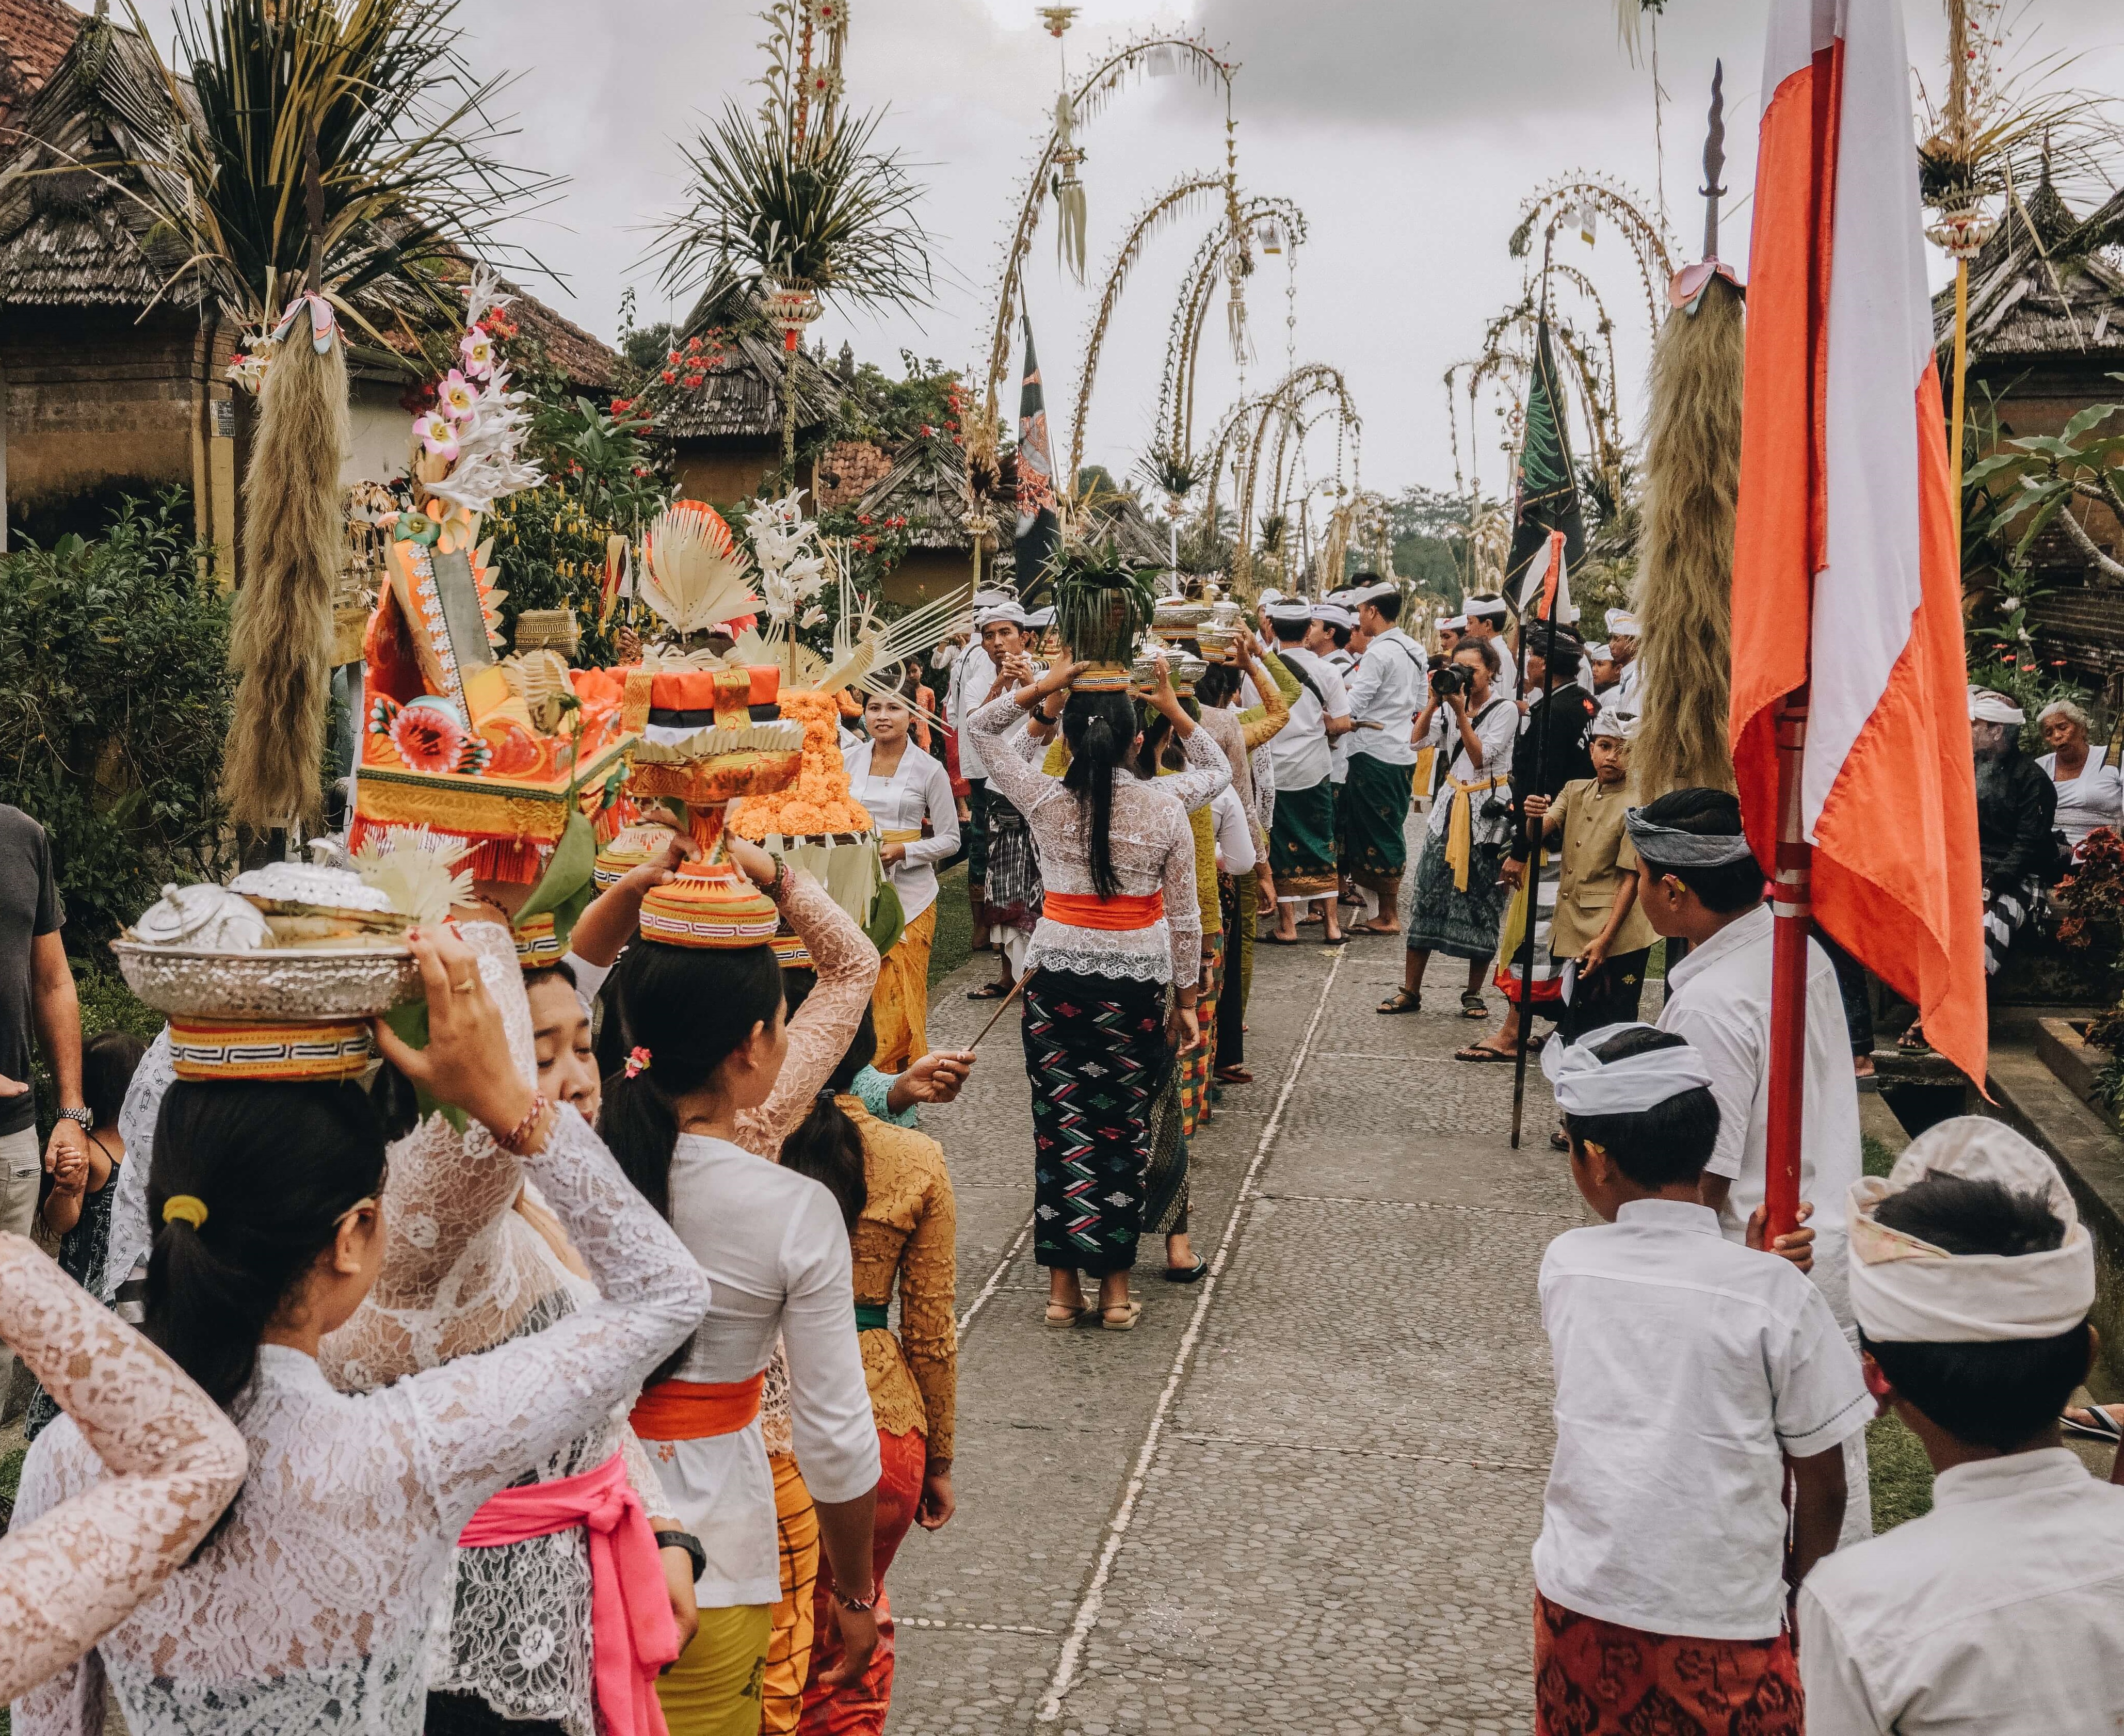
{"type": "Point", "coordinates": [1595, 1678]}
{"type": "Point", "coordinates": [859, 1708]}
{"type": "Point", "coordinates": [1548, 970]}
{"type": "Point", "coordinates": [1096, 1052]}
{"type": "Point", "coordinates": [1012, 890]}
{"type": "Point", "coordinates": [1198, 1061]}
{"type": "Point", "coordinates": [1374, 808]}
{"type": "Point", "coordinates": [899, 1004]}
{"type": "Point", "coordinates": [1301, 844]}
{"type": "Point", "coordinates": [1443, 918]}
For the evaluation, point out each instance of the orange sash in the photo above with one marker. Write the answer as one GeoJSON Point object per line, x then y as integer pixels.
{"type": "Point", "coordinates": [1079, 911]}
{"type": "Point", "coordinates": [696, 1410]}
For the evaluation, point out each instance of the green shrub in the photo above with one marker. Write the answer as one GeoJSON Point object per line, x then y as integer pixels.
{"type": "Point", "coordinates": [115, 695]}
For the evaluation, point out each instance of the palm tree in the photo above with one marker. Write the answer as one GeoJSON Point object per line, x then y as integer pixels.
{"type": "Point", "coordinates": [794, 205]}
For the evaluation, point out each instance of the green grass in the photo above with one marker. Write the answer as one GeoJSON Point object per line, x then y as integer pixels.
{"type": "Point", "coordinates": [1900, 1474]}
{"type": "Point", "coordinates": [1875, 1156]}
{"type": "Point", "coordinates": [954, 942]}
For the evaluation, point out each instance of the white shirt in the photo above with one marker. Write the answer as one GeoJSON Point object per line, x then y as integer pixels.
{"type": "Point", "coordinates": [1496, 726]}
{"type": "Point", "coordinates": [1999, 1613]}
{"type": "Point", "coordinates": [1685, 1369]}
{"type": "Point", "coordinates": [1624, 696]}
{"type": "Point", "coordinates": [1299, 750]}
{"type": "Point", "coordinates": [1343, 663]}
{"type": "Point", "coordinates": [1719, 998]}
{"type": "Point", "coordinates": [973, 674]}
{"type": "Point", "coordinates": [2095, 797]}
{"type": "Point", "coordinates": [776, 1253]}
{"type": "Point", "coordinates": [1388, 688]}
{"type": "Point", "coordinates": [918, 789]}
{"type": "Point", "coordinates": [1235, 838]}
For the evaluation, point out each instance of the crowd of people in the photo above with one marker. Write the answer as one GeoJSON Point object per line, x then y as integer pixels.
{"type": "Point", "coordinates": [587, 1373]}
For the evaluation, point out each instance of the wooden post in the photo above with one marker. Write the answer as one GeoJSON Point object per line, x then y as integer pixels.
{"type": "Point", "coordinates": [1792, 909]}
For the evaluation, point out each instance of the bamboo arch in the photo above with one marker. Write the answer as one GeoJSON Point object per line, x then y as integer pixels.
{"type": "Point", "coordinates": [1652, 248]}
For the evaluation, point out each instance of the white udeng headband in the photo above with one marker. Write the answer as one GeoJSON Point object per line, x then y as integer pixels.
{"type": "Point", "coordinates": [1907, 1292]}
{"type": "Point", "coordinates": [1585, 1085]}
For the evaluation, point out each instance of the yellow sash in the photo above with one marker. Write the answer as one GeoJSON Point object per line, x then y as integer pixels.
{"type": "Point", "coordinates": [1460, 825]}
{"type": "Point", "coordinates": [899, 835]}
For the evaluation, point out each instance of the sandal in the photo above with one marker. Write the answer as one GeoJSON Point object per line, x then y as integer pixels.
{"type": "Point", "coordinates": [1911, 1041]}
{"type": "Point", "coordinates": [1401, 1000]}
{"type": "Point", "coordinates": [1185, 1274]}
{"type": "Point", "coordinates": [1131, 1312]}
{"type": "Point", "coordinates": [1483, 1053]}
{"type": "Point", "coordinates": [1062, 1316]}
{"type": "Point", "coordinates": [1558, 1143]}
{"type": "Point", "coordinates": [1472, 1006]}
{"type": "Point", "coordinates": [2101, 1423]}
{"type": "Point", "coordinates": [1234, 1076]}
{"type": "Point", "coordinates": [988, 991]}
{"type": "Point", "coordinates": [1279, 940]}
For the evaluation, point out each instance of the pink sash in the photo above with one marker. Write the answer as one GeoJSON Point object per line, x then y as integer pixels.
{"type": "Point", "coordinates": [632, 1630]}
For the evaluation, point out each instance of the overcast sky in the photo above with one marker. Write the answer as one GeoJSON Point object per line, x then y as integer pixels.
{"type": "Point", "coordinates": [1408, 130]}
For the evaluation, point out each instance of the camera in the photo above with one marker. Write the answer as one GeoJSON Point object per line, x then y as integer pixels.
{"type": "Point", "coordinates": [1447, 679]}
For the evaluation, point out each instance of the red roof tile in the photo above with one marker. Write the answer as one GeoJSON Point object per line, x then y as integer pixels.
{"type": "Point", "coordinates": [35, 36]}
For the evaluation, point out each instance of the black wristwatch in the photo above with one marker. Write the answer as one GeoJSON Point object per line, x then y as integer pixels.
{"type": "Point", "coordinates": [688, 1541]}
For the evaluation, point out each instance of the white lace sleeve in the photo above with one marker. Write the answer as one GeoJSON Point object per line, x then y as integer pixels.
{"type": "Point", "coordinates": [78, 1560]}
{"type": "Point", "coordinates": [1183, 909]}
{"type": "Point", "coordinates": [1010, 771]}
{"type": "Point", "coordinates": [485, 1418]}
{"type": "Point", "coordinates": [1208, 771]}
{"type": "Point", "coordinates": [136, 1125]}
{"type": "Point", "coordinates": [642, 1473]}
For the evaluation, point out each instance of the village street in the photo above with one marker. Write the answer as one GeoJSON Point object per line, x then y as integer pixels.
{"type": "Point", "coordinates": [1301, 1494]}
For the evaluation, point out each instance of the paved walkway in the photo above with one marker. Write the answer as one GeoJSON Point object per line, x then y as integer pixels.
{"type": "Point", "coordinates": [1301, 1494]}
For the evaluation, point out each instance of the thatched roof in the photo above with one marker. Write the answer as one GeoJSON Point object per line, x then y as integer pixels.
{"type": "Point", "coordinates": [743, 396]}
{"type": "Point", "coordinates": [927, 485]}
{"type": "Point", "coordinates": [2047, 284]}
{"type": "Point", "coordinates": [74, 239]}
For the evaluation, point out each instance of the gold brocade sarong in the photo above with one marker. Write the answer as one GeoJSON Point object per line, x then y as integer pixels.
{"type": "Point", "coordinates": [789, 1659]}
{"type": "Point", "coordinates": [1460, 825]}
{"type": "Point", "coordinates": [899, 1004]}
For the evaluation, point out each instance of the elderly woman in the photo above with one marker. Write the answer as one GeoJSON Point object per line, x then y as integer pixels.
{"type": "Point", "coordinates": [2090, 790]}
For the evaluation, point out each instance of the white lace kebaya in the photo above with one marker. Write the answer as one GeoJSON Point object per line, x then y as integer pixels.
{"type": "Point", "coordinates": [1151, 842]}
{"type": "Point", "coordinates": [311, 1610]}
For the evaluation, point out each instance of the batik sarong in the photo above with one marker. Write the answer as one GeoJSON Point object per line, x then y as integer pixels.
{"type": "Point", "coordinates": [1301, 844]}
{"type": "Point", "coordinates": [1236, 894]}
{"type": "Point", "coordinates": [793, 1631]}
{"type": "Point", "coordinates": [2004, 912]}
{"type": "Point", "coordinates": [1374, 810]}
{"type": "Point", "coordinates": [899, 1004]}
{"type": "Point", "coordinates": [1095, 1053]}
{"type": "Point", "coordinates": [858, 1709]}
{"type": "Point", "coordinates": [1596, 1678]}
{"type": "Point", "coordinates": [1547, 970]}
{"type": "Point", "coordinates": [1443, 918]}
{"type": "Point", "coordinates": [1199, 1060]}
{"type": "Point", "coordinates": [1011, 889]}
{"type": "Point", "coordinates": [1165, 1187]}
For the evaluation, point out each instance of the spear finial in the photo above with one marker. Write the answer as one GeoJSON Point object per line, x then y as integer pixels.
{"type": "Point", "coordinates": [1714, 160]}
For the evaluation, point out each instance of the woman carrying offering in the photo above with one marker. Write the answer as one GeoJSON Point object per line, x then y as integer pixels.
{"type": "Point", "coordinates": [895, 1196]}
{"type": "Point", "coordinates": [1121, 923]}
{"type": "Point", "coordinates": [310, 1608]}
{"type": "Point", "coordinates": [909, 794]}
{"type": "Point", "coordinates": [704, 1022]}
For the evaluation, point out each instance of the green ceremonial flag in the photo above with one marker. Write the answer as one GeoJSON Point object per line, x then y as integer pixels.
{"type": "Point", "coordinates": [1545, 489]}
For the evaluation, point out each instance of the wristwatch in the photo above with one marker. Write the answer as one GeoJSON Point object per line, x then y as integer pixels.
{"type": "Point", "coordinates": [688, 1541]}
{"type": "Point", "coordinates": [85, 1119]}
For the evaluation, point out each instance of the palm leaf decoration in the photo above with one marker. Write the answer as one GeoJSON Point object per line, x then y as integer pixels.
{"type": "Point", "coordinates": [1102, 603]}
{"type": "Point", "coordinates": [405, 153]}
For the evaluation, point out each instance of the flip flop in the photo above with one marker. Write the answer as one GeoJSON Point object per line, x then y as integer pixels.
{"type": "Point", "coordinates": [987, 991]}
{"type": "Point", "coordinates": [1481, 1054]}
{"type": "Point", "coordinates": [1185, 1274]}
{"type": "Point", "coordinates": [1334, 940]}
{"type": "Point", "coordinates": [1278, 940]}
{"type": "Point", "coordinates": [2100, 1426]}
{"type": "Point", "coordinates": [1062, 1322]}
{"type": "Point", "coordinates": [1132, 1312]}
{"type": "Point", "coordinates": [1234, 1076]}
{"type": "Point", "coordinates": [1365, 927]}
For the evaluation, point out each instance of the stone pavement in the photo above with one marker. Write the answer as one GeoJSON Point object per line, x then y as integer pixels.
{"type": "Point", "coordinates": [1301, 1495]}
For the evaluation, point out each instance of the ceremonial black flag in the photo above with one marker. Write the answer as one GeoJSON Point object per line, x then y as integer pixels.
{"type": "Point", "coordinates": [1039, 529]}
{"type": "Point", "coordinates": [1546, 489]}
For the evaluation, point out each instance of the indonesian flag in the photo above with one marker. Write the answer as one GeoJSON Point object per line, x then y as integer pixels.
{"type": "Point", "coordinates": [1845, 570]}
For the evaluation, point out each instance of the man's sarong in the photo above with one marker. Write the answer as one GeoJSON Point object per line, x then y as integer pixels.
{"type": "Point", "coordinates": [1595, 1678]}
{"type": "Point", "coordinates": [1301, 844]}
{"type": "Point", "coordinates": [1374, 808]}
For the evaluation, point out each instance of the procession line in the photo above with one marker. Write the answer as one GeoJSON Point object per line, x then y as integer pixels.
{"type": "Point", "coordinates": [1094, 1599]}
{"type": "Point", "coordinates": [1362, 1452]}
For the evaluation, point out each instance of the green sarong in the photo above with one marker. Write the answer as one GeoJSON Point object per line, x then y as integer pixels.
{"type": "Point", "coordinates": [1301, 844]}
{"type": "Point", "coordinates": [1375, 811]}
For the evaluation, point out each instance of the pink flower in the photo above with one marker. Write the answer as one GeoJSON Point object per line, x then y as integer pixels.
{"type": "Point", "coordinates": [438, 433]}
{"type": "Point", "coordinates": [477, 349]}
{"type": "Point", "coordinates": [429, 736]}
{"type": "Point", "coordinates": [455, 396]}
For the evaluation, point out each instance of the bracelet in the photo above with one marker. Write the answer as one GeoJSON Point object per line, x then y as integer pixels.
{"type": "Point", "coordinates": [864, 1605]}
{"type": "Point", "coordinates": [781, 875]}
{"type": "Point", "coordinates": [688, 1541]}
{"type": "Point", "coordinates": [517, 1139]}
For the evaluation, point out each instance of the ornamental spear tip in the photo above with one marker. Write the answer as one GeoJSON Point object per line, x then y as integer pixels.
{"type": "Point", "coordinates": [1715, 159]}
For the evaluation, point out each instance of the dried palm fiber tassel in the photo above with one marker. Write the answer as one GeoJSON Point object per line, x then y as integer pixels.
{"type": "Point", "coordinates": [294, 542]}
{"type": "Point", "coordinates": [1685, 588]}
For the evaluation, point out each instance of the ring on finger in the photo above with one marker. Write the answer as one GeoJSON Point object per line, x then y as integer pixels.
{"type": "Point", "coordinates": [462, 988]}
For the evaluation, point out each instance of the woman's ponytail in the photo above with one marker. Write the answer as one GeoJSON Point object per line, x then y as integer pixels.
{"type": "Point", "coordinates": [636, 1124]}
{"type": "Point", "coordinates": [826, 1145]}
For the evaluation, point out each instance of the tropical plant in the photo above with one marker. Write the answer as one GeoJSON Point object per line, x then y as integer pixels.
{"type": "Point", "coordinates": [1102, 600]}
{"type": "Point", "coordinates": [796, 201]}
{"type": "Point", "coordinates": [122, 772]}
{"type": "Point", "coordinates": [2037, 479]}
{"type": "Point", "coordinates": [343, 140]}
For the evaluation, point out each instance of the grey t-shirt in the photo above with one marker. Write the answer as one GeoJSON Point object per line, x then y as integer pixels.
{"type": "Point", "coordinates": [29, 906]}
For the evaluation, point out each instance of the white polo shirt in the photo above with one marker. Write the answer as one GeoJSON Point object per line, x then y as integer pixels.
{"type": "Point", "coordinates": [1719, 997]}
{"type": "Point", "coordinates": [1686, 1368]}
{"type": "Point", "coordinates": [1300, 749]}
{"type": "Point", "coordinates": [1999, 1613]}
{"type": "Point", "coordinates": [1388, 689]}
{"type": "Point", "coordinates": [973, 674]}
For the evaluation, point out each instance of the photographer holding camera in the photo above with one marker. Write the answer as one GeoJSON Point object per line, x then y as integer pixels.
{"type": "Point", "coordinates": [1460, 900]}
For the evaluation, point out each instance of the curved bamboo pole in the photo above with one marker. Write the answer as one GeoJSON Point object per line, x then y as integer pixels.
{"type": "Point", "coordinates": [1161, 210]}
{"type": "Point", "coordinates": [1652, 248]}
{"type": "Point", "coordinates": [1092, 93]}
{"type": "Point", "coordinates": [1287, 398]}
{"type": "Point", "coordinates": [1183, 350]}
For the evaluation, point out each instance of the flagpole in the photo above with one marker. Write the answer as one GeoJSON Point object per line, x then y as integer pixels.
{"type": "Point", "coordinates": [1791, 913]}
{"type": "Point", "coordinates": [1533, 881]}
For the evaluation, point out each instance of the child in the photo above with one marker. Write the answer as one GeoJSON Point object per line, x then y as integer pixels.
{"type": "Point", "coordinates": [2002, 1610]}
{"type": "Point", "coordinates": [1690, 1374]}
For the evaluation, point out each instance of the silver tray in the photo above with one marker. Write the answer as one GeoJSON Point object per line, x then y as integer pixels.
{"type": "Point", "coordinates": [276, 982]}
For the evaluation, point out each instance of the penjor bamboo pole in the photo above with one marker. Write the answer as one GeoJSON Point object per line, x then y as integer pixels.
{"type": "Point", "coordinates": [1961, 390]}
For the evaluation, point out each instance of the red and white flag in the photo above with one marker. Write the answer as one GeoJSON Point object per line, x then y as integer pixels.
{"type": "Point", "coordinates": [1846, 573]}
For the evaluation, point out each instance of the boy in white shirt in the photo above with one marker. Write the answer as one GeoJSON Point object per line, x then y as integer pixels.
{"type": "Point", "coordinates": [1691, 1374]}
{"type": "Point", "coordinates": [2002, 1610]}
